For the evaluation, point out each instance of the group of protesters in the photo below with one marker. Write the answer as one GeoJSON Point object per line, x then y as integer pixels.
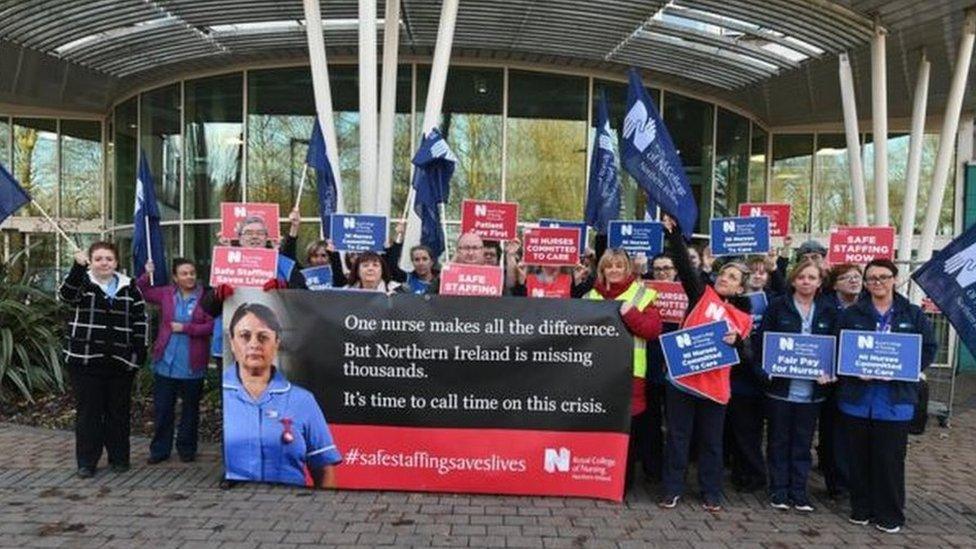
{"type": "Point", "coordinates": [862, 423]}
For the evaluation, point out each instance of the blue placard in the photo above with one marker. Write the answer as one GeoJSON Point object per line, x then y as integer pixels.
{"type": "Point", "coordinates": [880, 355]}
{"type": "Point", "coordinates": [358, 233]}
{"type": "Point", "coordinates": [699, 349]}
{"type": "Point", "coordinates": [318, 278]}
{"type": "Point", "coordinates": [759, 303]}
{"type": "Point", "coordinates": [645, 237]}
{"type": "Point", "coordinates": [740, 235]}
{"type": "Point", "coordinates": [579, 225]}
{"type": "Point", "coordinates": [798, 356]}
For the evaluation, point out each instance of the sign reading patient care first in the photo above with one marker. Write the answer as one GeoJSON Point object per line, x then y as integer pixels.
{"type": "Point", "coordinates": [551, 246]}
{"type": "Point", "coordinates": [778, 214]}
{"type": "Point", "coordinates": [233, 215]}
{"type": "Point", "coordinates": [473, 280]}
{"type": "Point", "coordinates": [490, 220]}
{"type": "Point", "coordinates": [243, 266]}
{"type": "Point", "coordinates": [860, 244]}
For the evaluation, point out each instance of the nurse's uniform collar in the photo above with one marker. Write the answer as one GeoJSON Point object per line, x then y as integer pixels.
{"type": "Point", "coordinates": [277, 384]}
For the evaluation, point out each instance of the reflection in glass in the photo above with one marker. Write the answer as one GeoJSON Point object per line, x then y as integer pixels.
{"type": "Point", "coordinates": [41, 263]}
{"type": "Point", "coordinates": [832, 204]}
{"type": "Point", "coordinates": [198, 243]}
{"type": "Point", "coordinates": [126, 157]}
{"type": "Point", "coordinates": [214, 144]}
{"type": "Point", "coordinates": [36, 161]}
{"type": "Point", "coordinates": [731, 163]}
{"type": "Point", "coordinates": [81, 168]}
{"type": "Point", "coordinates": [546, 145]}
{"type": "Point", "coordinates": [5, 141]}
{"type": "Point", "coordinates": [757, 165]}
{"type": "Point", "coordinates": [791, 176]}
{"type": "Point", "coordinates": [162, 143]}
{"type": "Point", "coordinates": [690, 123]}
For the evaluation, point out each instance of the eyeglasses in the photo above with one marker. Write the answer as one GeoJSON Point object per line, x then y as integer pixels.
{"type": "Point", "coordinates": [663, 269]}
{"type": "Point", "coordinates": [471, 248]}
{"type": "Point", "coordinates": [254, 233]}
{"type": "Point", "coordinates": [880, 279]}
{"type": "Point", "coordinates": [849, 278]}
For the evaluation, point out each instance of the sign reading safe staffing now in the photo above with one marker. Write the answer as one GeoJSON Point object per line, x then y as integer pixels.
{"type": "Point", "coordinates": [860, 244]}
{"type": "Point", "coordinates": [358, 232]}
{"type": "Point", "coordinates": [490, 220]}
{"type": "Point", "coordinates": [646, 237]}
{"type": "Point", "coordinates": [881, 355]}
{"type": "Point", "coordinates": [798, 356]}
{"type": "Point", "coordinates": [699, 349]}
{"type": "Point", "coordinates": [550, 246]}
{"type": "Point", "coordinates": [778, 214]}
{"type": "Point", "coordinates": [243, 266]}
{"type": "Point", "coordinates": [740, 235]}
{"type": "Point", "coordinates": [233, 214]}
{"type": "Point", "coordinates": [418, 391]}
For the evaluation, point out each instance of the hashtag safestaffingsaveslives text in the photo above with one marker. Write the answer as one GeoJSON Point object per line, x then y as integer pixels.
{"type": "Point", "coordinates": [442, 464]}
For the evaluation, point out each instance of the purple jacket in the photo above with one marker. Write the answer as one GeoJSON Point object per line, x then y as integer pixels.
{"type": "Point", "coordinates": [199, 329]}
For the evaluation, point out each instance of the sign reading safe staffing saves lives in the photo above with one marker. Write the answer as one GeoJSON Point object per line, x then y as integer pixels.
{"type": "Point", "coordinates": [880, 355]}
{"type": "Point", "coordinates": [798, 356]}
{"type": "Point", "coordinates": [699, 349]}
{"type": "Point", "coordinates": [740, 235]}
{"type": "Point", "coordinates": [243, 266]}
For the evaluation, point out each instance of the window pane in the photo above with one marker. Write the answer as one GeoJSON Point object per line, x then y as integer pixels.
{"type": "Point", "coordinates": [5, 141]}
{"type": "Point", "coordinates": [690, 123]}
{"type": "Point", "coordinates": [81, 169]}
{"type": "Point", "coordinates": [214, 144]}
{"type": "Point", "coordinates": [125, 161]}
{"type": "Point", "coordinates": [41, 268]}
{"type": "Point", "coordinates": [198, 243]}
{"type": "Point", "coordinates": [757, 165]}
{"type": "Point", "coordinates": [472, 123]}
{"type": "Point", "coordinates": [546, 145]}
{"type": "Point", "coordinates": [110, 171]}
{"type": "Point", "coordinates": [162, 144]}
{"type": "Point", "coordinates": [832, 203]}
{"type": "Point", "coordinates": [35, 161]}
{"type": "Point", "coordinates": [791, 175]}
{"type": "Point", "coordinates": [731, 163]}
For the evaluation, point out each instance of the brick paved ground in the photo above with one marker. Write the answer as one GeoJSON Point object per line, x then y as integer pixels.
{"type": "Point", "coordinates": [180, 505]}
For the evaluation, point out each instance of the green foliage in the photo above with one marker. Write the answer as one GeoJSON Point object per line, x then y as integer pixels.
{"type": "Point", "coordinates": [30, 338]}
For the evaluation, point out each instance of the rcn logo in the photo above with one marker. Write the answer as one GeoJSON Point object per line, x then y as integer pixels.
{"type": "Point", "coordinates": [865, 342]}
{"type": "Point", "coordinates": [755, 212]}
{"type": "Point", "coordinates": [233, 257]}
{"type": "Point", "coordinates": [715, 311]}
{"type": "Point", "coordinates": [556, 460]}
{"type": "Point", "coordinates": [240, 211]}
{"type": "Point", "coordinates": [348, 222]}
{"type": "Point", "coordinates": [480, 210]}
{"type": "Point", "coordinates": [639, 127]}
{"type": "Point", "coordinates": [627, 230]}
{"type": "Point", "coordinates": [728, 226]}
{"type": "Point", "coordinates": [683, 340]}
{"type": "Point", "coordinates": [786, 344]}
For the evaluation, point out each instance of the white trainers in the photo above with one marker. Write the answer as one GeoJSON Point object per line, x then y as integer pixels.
{"type": "Point", "coordinates": [859, 522]}
{"type": "Point", "coordinates": [888, 530]}
{"type": "Point", "coordinates": [669, 502]}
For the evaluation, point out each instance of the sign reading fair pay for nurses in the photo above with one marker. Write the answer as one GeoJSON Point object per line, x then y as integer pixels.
{"type": "Point", "coordinates": [699, 349]}
{"type": "Point", "coordinates": [798, 356]}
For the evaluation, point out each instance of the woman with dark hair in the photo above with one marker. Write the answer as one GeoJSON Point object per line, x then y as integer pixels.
{"type": "Point", "coordinates": [877, 411]}
{"type": "Point", "coordinates": [273, 431]}
{"type": "Point", "coordinates": [180, 357]}
{"type": "Point", "coordinates": [106, 344]}
{"type": "Point", "coordinates": [371, 273]}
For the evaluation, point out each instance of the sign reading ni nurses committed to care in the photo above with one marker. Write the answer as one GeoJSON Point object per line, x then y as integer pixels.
{"type": "Point", "coordinates": [699, 349]}
{"type": "Point", "coordinates": [471, 280]}
{"type": "Point", "coordinates": [578, 225]}
{"type": "Point", "coordinates": [550, 246]}
{"type": "Point", "coordinates": [358, 233]}
{"type": "Point", "coordinates": [880, 355]}
{"type": "Point", "coordinates": [243, 266]}
{"type": "Point", "coordinates": [778, 214]}
{"type": "Point", "coordinates": [646, 237]}
{"type": "Point", "coordinates": [671, 302]}
{"type": "Point", "coordinates": [798, 356]}
{"type": "Point", "coordinates": [740, 235]}
{"type": "Point", "coordinates": [490, 220]}
{"type": "Point", "coordinates": [233, 214]}
{"type": "Point", "coordinates": [860, 244]}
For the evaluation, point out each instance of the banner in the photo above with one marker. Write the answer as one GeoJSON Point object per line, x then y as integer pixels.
{"type": "Point", "coordinates": [558, 223]}
{"type": "Point", "coordinates": [490, 220]}
{"type": "Point", "coordinates": [699, 349]}
{"type": "Point", "coordinates": [671, 302]}
{"type": "Point", "coordinates": [471, 280]}
{"type": "Point", "coordinates": [880, 355]}
{"type": "Point", "coordinates": [550, 246]}
{"type": "Point", "coordinates": [860, 244]}
{"type": "Point", "coordinates": [243, 266]}
{"type": "Point", "coordinates": [233, 214]}
{"type": "Point", "coordinates": [603, 183]}
{"type": "Point", "coordinates": [558, 287]}
{"type": "Point", "coordinates": [739, 235]}
{"type": "Point", "coordinates": [416, 393]}
{"type": "Point", "coordinates": [358, 232]}
{"type": "Point", "coordinates": [778, 214]}
{"type": "Point", "coordinates": [949, 279]}
{"type": "Point", "coordinates": [646, 237]}
{"type": "Point", "coordinates": [798, 356]}
{"type": "Point", "coordinates": [318, 278]}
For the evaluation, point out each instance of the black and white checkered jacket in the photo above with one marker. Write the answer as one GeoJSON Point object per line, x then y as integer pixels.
{"type": "Point", "coordinates": [102, 330]}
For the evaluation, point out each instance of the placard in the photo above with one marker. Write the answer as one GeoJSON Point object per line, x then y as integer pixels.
{"type": "Point", "coordinates": [358, 232]}
{"type": "Point", "coordinates": [558, 287]}
{"type": "Point", "coordinates": [550, 246]}
{"type": "Point", "coordinates": [471, 280]}
{"type": "Point", "coordinates": [671, 302]}
{"type": "Point", "coordinates": [880, 355]}
{"type": "Point", "coordinates": [645, 237]}
{"type": "Point", "coordinates": [490, 220]}
{"type": "Point", "coordinates": [581, 226]}
{"type": "Point", "coordinates": [778, 214]}
{"type": "Point", "coordinates": [318, 278]}
{"type": "Point", "coordinates": [739, 235]}
{"type": "Point", "coordinates": [860, 245]}
{"type": "Point", "coordinates": [759, 303]}
{"type": "Point", "coordinates": [243, 266]}
{"type": "Point", "coordinates": [232, 214]}
{"type": "Point", "coordinates": [798, 356]}
{"type": "Point", "coordinates": [699, 349]}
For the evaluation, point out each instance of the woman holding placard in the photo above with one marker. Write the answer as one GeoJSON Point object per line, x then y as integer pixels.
{"type": "Point", "coordinates": [794, 404]}
{"type": "Point", "coordinates": [878, 412]}
{"type": "Point", "coordinates": [370, 273]}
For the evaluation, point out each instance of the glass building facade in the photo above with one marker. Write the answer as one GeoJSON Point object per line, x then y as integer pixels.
{"type": "Point", "coordinates": [519, 135]}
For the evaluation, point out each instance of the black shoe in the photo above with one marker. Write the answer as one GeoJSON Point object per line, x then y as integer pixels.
{"type": "Point", "coordinates": [85, 472]}
{"type": "Point", "coordinates": [153, 460]}
{"type": "Point", "coordinates": [227, 484]}
{"type": "Point", "coordinates": [119, 467]}
{"type": "Point", "coordinates": [188, 458]}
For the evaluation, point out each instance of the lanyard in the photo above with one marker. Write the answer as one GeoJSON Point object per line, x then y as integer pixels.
{"type": "Point", "coordinates": [884, 320]}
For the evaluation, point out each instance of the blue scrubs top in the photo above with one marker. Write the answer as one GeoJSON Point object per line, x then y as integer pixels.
{"type": "Point", "coordinates": [175, 362]}
{"type": "Point", "coordinates": [254, 446]}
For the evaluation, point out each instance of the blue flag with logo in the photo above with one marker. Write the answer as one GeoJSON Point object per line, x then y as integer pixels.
{"type": "Point", "coordinates": [949, 279]}
{"type": "Point", "coordinates": [603, 194]}
{"type": "Point", "coordinates": [648, 154]}
{"type": "Point", "coordinates": [146, 232]}
{"type": "Point", "coordinates": [432, 184]}
{"type": "Point", "coordinates": [317, 159]}
{"type": "Point", "coordinates": [12, 195]}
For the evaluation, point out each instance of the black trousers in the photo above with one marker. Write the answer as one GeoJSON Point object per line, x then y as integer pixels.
{"type": "Point", "coordinates": [833, 456]}
{"type": "Point", "coordinates": [687, 414]}
{"type": "Point", "coordinates": [791, 427]}
{"type": "Point", "coordinates": [744, 435]}
{"type": "Point", "coordinates": [648, 432]}
{"type": "Point", "coordinates": [103, 400]}
{"type": "Point", "coordinates": [877, 479]}
{"type": "Point", "coordinates": [165, 392]}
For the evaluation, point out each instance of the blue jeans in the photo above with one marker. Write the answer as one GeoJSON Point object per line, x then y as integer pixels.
{"type": "Point", "coordinates": [791, 427]}
{"type": "Point", "coordinates": [165, 392]}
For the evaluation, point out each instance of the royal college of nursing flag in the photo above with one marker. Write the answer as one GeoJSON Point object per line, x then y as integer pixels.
{"type": "Point", "coordinates": [147, 234]}
{"type": "Point", "coordinates": [325, 183]}
{"type": "Point", "coordinates": [435, 163]}
{"type": "Point", "coordinates": [603, 194]}
{"type": "Point", "coordinates": [12, 195]}
{"type": "Point", "coordinates": [949, 279]}
{"type": "Point", "coordinates": [650, 157]}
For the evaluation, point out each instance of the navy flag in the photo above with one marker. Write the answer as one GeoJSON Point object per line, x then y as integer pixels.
{"type": "Point", "coordinates": [949, 279]}
{"type": "Point", "coordinates": [603, 194]}
{"type": "Point", "coordinates": [147, 234]}
{"type": "Point", "coordinates": [324, 178]}
{"type": "Point", "coordinates": [431, 182]}
{"type": "Point", "coordinates": [650, 157]}
{"type": "Point", "coordinates": [12, 195]}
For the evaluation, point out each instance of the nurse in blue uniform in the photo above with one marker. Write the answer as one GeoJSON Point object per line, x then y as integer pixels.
{"type": "Point", "coordinates": [273, 431]}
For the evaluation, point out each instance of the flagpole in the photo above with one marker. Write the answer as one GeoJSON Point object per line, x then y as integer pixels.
{"type": "Point", "coordinates": [149, 249]}
{"type": "Point", "coordinates": [56, 226]}
{"type": "Point", "coordinates": [301, 186]}
{"type": "Point", "coordinates": [441, 209]}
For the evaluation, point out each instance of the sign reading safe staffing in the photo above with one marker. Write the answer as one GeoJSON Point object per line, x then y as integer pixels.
{"type": "Point", "coordinates": [471, 280]}
{"type": "Point", "coordinates": [243, 266]}
{"type": "Point", "coordinates": [860, 245]}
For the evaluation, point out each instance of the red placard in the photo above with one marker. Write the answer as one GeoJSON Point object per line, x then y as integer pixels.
{"type": "Point", "coordinates": [243, 266]}
{"type": "Point", "coordinates": [476, 280]}
{"type": "Point", "coordinates": [557, 287]}
{"type": "Point", "coordinates": [550, 246]}
{"type": "Point", "coordinates": [671, 302]}
{"type": "Point", "coordinates": [490, 220]}
{"type": "Point", "coordinates": [860, 244]}
{"type": "Point", "coordinates": [232, 214]}
{"type": "Point", "coordinates": [778, 214]}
